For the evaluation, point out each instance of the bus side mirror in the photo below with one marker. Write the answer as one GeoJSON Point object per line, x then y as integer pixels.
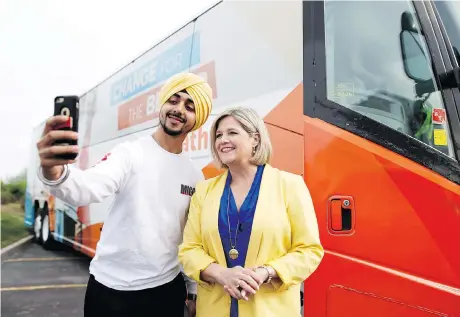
{"type": "Point", "coordinates": [416, 65]}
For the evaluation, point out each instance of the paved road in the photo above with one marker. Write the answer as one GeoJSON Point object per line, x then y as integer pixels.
{"type": "Point", "coordinates": [41, 283]}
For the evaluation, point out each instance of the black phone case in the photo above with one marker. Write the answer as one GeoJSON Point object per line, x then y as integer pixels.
{"type": "Point", "coordinates": [69, 106]}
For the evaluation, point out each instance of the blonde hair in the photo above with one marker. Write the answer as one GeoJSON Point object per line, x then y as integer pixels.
{"type": "Point", "coordinates": [253, 124]}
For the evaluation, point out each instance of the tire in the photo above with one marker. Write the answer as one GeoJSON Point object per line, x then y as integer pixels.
{"type": "Point", "coordinates": [37, 229]}
{"type": "Point", "coordinates": [46, 236]}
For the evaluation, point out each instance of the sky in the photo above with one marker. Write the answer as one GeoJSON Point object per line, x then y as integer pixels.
{"type": "Point", "coordinates": [59, 47]}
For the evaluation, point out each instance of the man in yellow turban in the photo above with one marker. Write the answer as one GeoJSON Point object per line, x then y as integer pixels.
{"type": "Point", "coordinates": [186, 102]}
{"type": "Point", "coordinates": [135, 270]}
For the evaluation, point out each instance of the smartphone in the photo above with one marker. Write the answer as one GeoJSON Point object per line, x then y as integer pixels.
{"type": "Point", "coordinates": [67, 106]}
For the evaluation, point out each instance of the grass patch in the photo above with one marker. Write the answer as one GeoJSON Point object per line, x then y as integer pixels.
{"type": "Point", "coordinates": [12, 224]}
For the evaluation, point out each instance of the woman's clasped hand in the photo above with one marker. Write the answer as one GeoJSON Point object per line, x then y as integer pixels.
{"type": "Point", "coordinates": [241, 282]}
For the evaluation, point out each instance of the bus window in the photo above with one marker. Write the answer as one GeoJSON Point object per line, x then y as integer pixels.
{"type": "Point", "coordinates": [366, 73]}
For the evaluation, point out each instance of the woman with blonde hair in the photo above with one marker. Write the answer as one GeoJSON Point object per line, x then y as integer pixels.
{"type": "Point", "coordinates": [252, 236]}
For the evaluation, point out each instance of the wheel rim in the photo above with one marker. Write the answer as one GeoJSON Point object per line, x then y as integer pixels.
{"type": "Point", "coordinates": [45, 228]}
{"type": "Point", "coordinates": [37, 226]}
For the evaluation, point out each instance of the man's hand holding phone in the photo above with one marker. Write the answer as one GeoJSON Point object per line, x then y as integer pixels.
{"type": "Point", "coordinates": [54, 154]}
{"type": "Point", "coordinates": [59, 143]}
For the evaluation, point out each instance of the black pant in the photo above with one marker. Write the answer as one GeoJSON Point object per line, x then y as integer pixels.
{"type": "Point", "coordinates": [165, 300]}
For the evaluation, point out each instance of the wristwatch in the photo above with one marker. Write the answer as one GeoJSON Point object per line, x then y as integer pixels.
{"type": "Point", "coordinates": [191, 296]}
{"type": "Point", "coordinates": [270, 276]}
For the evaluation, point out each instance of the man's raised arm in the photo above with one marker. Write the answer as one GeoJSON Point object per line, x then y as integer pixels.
{"type": "Point", "coordinates": [72, 185]}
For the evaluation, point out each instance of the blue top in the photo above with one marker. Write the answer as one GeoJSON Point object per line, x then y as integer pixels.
{"type": "Point", "coordinates": [245, 216]}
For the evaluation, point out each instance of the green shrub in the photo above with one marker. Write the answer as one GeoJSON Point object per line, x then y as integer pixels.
{"type": "Point", "coordinates": [13, 191]}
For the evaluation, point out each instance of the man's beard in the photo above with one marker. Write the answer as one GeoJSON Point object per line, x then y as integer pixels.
{"type": "Point", "coordinates": [169, 131]}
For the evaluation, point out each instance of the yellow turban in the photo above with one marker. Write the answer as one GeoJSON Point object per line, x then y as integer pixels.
{"type": "Point", "coordinates": [196, 87]}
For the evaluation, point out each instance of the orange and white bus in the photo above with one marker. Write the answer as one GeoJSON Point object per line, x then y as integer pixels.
{"type": "Point", "coordinates": [361, 98]}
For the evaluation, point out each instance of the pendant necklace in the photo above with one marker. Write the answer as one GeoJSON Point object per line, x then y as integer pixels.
{"type": "Point", "coordinates": [233, 253]}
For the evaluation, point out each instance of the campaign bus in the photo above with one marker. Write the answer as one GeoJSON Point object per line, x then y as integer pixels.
{"type": "Point", "coordinates": [360, 98]}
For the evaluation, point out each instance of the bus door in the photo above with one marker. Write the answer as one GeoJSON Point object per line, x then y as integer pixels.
{"type": "Point", "coordinates": [382, 150]}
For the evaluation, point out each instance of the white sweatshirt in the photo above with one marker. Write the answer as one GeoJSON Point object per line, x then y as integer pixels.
{"type": "Point", "coordinates": [138, 247]}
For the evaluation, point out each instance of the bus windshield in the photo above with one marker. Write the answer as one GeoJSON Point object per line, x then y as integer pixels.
{"type": "Point", "coordinates": [449, 12]}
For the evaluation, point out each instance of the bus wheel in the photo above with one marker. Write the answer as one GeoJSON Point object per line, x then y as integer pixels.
{"type": "Point", "coordinates": [45, 232]}
{"type": "Point", "coordinates": [37, 226]}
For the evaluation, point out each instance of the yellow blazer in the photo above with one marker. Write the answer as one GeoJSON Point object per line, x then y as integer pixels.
{"type": "Point", "coordinates": [284, 236]}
